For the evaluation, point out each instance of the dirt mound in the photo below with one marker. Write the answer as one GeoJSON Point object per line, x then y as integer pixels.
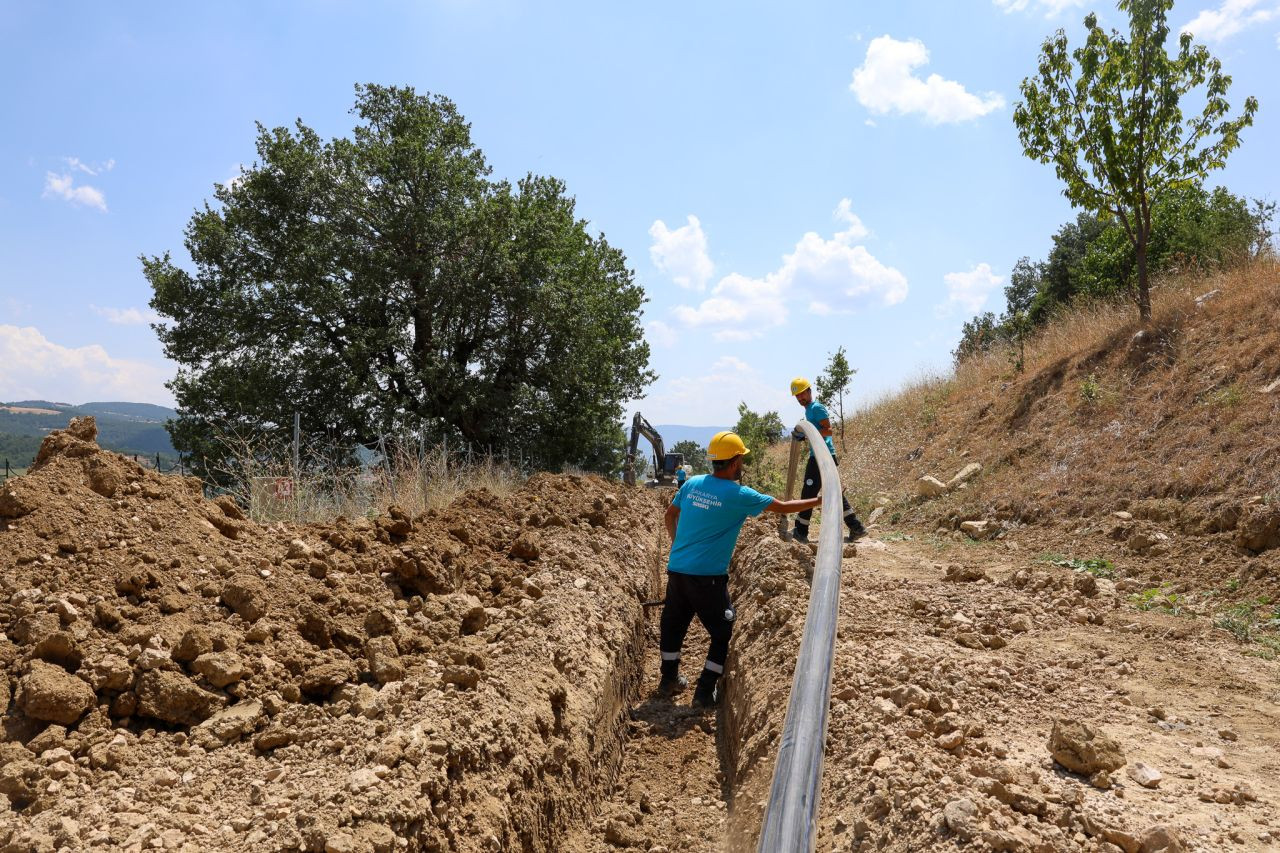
{"type": "Point", "coordinates": [172, 675]}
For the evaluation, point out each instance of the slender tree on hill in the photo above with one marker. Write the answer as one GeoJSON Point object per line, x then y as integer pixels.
{"type": "Point", "coordinates": [384, 285]}
{"type": "Point", "coordinates": [833, 385]}
{"type": "Point", "coordinates": [1108, 115]}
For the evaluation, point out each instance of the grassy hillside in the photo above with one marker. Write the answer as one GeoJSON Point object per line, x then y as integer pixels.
{"type": "Point", "coordinates": [124, 427]}
{"type": "Point", "coordinates": [1176, 425]}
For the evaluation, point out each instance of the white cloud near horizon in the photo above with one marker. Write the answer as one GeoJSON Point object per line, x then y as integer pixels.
{"type": "Point", "coordinates": [1051, 8]}
{"type": "Point", "coordinates": [682, 253]}
{"type": "Point", "coordinates": [661, 334]}
{"type": "Point", "coordinates": [1231, 17]}
{"type": "Point", "coordinates": [969, 290]}
{"type": "Point", "coordinates": [36, 368]}
{"type": "Point", "coordinates": [63, 186]}
{"type": "Point", "coordinates": [829, 276]}
{"type": "Point", "coordinates": [713, 397]}
{"type": "Point", "coordinates": [127, 316]}
{"type": "Point", "coordinates": [886, 82]}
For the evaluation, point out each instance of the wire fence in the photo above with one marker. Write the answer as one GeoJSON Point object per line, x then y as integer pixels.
{"type": "Point", "coordinates": [10, 471]}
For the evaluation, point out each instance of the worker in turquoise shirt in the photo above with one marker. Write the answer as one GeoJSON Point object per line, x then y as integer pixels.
{"type": "Point", "coordinates": [703, 521]}
{"type": "Point", "coordinates": [817, 414]}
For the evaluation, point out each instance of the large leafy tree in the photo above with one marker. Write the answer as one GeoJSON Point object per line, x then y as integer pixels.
{"type": "Point", "coordinates": [1108, 115]}
{"type": "Point", "coordinates": [695, 455]}
{"type": "Point", "coordinates": [384, 285]}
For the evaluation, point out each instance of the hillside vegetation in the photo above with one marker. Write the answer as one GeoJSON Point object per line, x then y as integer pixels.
{"type": "Point", "coordinates": [1174, 424]}
{"type": "Point", "coordinates": [129, 428]}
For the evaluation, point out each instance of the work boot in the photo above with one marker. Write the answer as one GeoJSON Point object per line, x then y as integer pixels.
{"type": "Point", "coordinates": [705, 695]}
{"type": "Point", "coordinates": [856, 531]}
{"type": "Point", "coordinates": [801, 536]}
{"type": "Point", "coordinates": [671, 685]}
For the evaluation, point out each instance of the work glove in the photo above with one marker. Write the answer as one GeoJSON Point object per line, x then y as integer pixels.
{"type": "Point", "coordinates": [798, 434]}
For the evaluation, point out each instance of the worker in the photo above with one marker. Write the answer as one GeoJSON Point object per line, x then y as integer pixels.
{"type": "Point", "coordinates": [703, 522]}
{"type": "Point", "coordinates": [681, 474]}
{"type": "Point", "coordinates": [817, 414]}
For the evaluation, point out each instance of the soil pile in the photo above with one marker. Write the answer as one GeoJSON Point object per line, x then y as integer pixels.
{"type": "Point", "coordinates": [174, 676]}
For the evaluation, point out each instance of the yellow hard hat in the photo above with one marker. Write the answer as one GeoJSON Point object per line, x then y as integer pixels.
{"type": "Point", "coordinates": [799, 385]}
{"type": "Point", "coordinates": [726, 445]}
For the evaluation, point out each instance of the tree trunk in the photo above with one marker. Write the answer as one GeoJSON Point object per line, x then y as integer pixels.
{"type": "Point", "coordinates": [1144, 287]}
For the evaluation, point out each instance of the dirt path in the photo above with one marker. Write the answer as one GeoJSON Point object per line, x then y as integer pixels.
{"type": "Point", "coordinates": [952, 663]}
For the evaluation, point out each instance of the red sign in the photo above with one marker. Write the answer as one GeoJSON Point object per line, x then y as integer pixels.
{"type": "Point", "coordinates": [283, 488]}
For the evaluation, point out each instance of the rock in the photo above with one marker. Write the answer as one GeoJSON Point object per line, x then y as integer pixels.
{"type": "Point", "coordinates": [1259, 530]}
{"type": "Point", "coordinates": [875, 515]}
{"type": "Point", "coordinates": [1141, 542]}
{"type": "Point", "coordinates": [474, 616]}
{"type": "Point", "coordinates": [1228, 734]}
{"type": "Point", "coordinates": [323, 679]}
{"type": "Point", "coordinates": [960, 817]}
{"type": "Point", "coordinates": [58, 648]}
{"type": "Point", "coordinates": [618, 834]}
{"type": "Point", "coordinates": [532, 588]}
{"type": "Point", "coordinates": [384, 660]}
{"type": "Point", "coordinates": [978, 529]}
{"type": "Point", "coordinates": [50, 693]}
{"type": "Point", "coordinates": [908, 697]}
{"type": "Point", "coordinates": [220, 668]}
{"type": "Point", "coordinates": [970, 640]}
{"type": "Point", "coordinates": [340, 842]}
{"type": "Point", "coordinates": [1085, 584]}
{"type": "Point", "coordinates": [1273, 388]}
{"type": "Point", "coordinates": [298, 550]}
{"type": "Point", "coordinates": [1123, 516]}
{"type": "Point", "coordinates": [1144, 774]}
{"type": "Point", "coordinates": [950, 740]}
{"type": "Point", "coordinates": [234, 721]}
{"type": "Point", "coordinates": [194, 643]}
{"type": "Point", "coordinates": [465, 677]}
{"type": "Point", "coordinates": [246, 596]}
{"type": "Point", "coordinates": [109, 672]}
{"type": "Point", "coordinates": [1020, 624]}
{"type": "Point", "coordinates": [1082, 749]}
{"type": "Point", "coordinates": [173, 698]}
{"type": "Point", "coordinates": [930, 487]}
{"type": "Point", "coordinates": [362, 780]}
{"type": "Point", "coordinates": [964, 574]}
{"type": "Point", "coordinates": [966, 473]}
{"type": "Point", "coordinates": [1161, 838]}
{"type": "Point", "coordinates": [525, 547]}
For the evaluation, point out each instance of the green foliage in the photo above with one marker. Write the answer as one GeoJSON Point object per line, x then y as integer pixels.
{"type": "Point", "coordinates": [833, 384]}
{"type": "Point", "coordinates": [1096, 566]}
{"type": "Point", "coordinates": [384, 285]}
{"type": "Point", "coordinates": [695, 455]}
{"type": "Point", "coordinates": [1090, 389]}
{"type": "Point", "coordinates": [759, 432]}
{"type": "Point", "coordinates": [1158, 597]}
{"type": "Point", "coordinates": [20, 450]}
{"type": "Point", "coordinates": [1252, 622]}
{"type": "Point", "coordinates": [1108, 116]}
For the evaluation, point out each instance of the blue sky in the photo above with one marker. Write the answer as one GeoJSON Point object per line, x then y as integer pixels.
{"type": "Point", "coordinates": [784, 178]}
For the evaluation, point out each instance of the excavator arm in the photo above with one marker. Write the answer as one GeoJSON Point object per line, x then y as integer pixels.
{"type": "Point", "coordinates": [641, 427]}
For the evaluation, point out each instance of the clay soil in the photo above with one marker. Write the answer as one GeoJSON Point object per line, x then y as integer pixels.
{"type": "Point", "coordinates": [481, 678]}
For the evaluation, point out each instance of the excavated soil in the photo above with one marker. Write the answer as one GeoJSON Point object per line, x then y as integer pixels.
{"type": "Point", "coordinates": [481, 679]}
{"type": "Point", "coordinates": [176, 677]}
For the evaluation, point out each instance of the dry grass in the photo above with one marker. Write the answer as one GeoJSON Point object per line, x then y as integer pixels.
{"type": "Point", "coordinates": [413, 478]}
{"type": "Point", "coordinates": [1097, 419]}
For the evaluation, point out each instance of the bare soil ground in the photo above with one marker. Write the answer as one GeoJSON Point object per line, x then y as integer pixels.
{"type": "Point", "coordinates": [481, 678]}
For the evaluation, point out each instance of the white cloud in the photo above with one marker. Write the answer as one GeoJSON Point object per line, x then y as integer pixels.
{"type": "Point", "coordinates": [63, 186]}
{"type": "Point", "coordinates": [127, 316]}
{"type": "Point", "coordinates": [1051, 7]}
{"type": "Point", "coordinates": [969, 290]}
{"type": "Point", "coordinates": [886, 82]}
{"type": "Point", "coordinates": [37, 368]}
{"type": "Point", "coordinates": [829, 276]}
{"type": "Point", "coordinates": [712, 397]}
{"type": "Point", "coordinates": [1229, 18]}
{"type": "Point", "coordinates": [236, 177]}
{"type": "Point", "coordinates": [96, 169]}
{"type": "Point", "coordinates": [661, 334]}
{"type": "Point", "coordinates": [682, 253]}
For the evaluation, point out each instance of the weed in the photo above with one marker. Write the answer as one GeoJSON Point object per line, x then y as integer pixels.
{"type": "Point", "coordinates": [1096, 566]}
{"type": "Point", "coordinates": [1159, 597]}
{"type": "Point", "coordinates": [1090, 389]}
{"type": "Point", "coordinates": [1233, 584]}
{"type": "Point", "coordinates": [1227, 398]}
{"type": "Point", "coordinates": [895, 537]}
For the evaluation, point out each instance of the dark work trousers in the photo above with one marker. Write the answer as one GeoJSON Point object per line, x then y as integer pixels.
{"type": "Point", "coordinates": [812, 485]}
{"type": "Point", "coordinates": [704, 596]}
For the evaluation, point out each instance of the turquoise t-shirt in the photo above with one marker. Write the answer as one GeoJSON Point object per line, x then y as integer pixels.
{"type": "Point", "coordinates": [815, 413]}
{"type": "Point", "coordinates": [712, 510]}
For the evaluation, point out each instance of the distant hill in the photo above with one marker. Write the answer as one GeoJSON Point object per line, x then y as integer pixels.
{"type": "Point", "coordinates": [123, 427]}
{"type": "Point", "coordinates": [675, 433]}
